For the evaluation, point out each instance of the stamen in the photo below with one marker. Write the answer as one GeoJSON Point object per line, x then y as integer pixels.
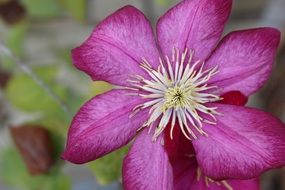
{"type": "Point", "coordinates": [227, 185]}
{"type": "Point", "coordinates": [208, 181]}
{"type": "Point", "coordinates": [177, 91]}
{"type": "Point", "coordinates": [172, 123]}
{"type": "Point", "coordinates": [199, 173]}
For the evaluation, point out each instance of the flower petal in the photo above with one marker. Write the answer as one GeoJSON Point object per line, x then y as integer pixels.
{"type": "Point", "coordinates": [185, 173]}
{"type": "Point", "coordinates": [102, 125]}
{"type": "Point", "coordinates": [116, 47]}
{"type": "Point", "coordinates": [187, 176]}
{"type": "Point", "coordinates": [195, 24]}
{"type": "Point", "coordinates": [252, 184]}
{"type": "Point", "coordinates": [244, 143]}
{"type": "Point", "coordinates": [233, 98]}
{"type": "Point", "coordinates": [147, 166]}
{"type": "Point", "coordinates": [179, 146]}
{"type": "Point", "coordinates": [244, 59]}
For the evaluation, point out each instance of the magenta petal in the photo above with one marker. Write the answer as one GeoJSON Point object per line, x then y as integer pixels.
{"type": "Point", "coordinates": [244, 143]}
{"type": "Point", "coordinates": [195, 24]}
{"type": "Point", "coordinates": [187, 177]}
{"type": "Point", "coordinates": [101, 126]}
{"type": "Point", "coordinates": [233, 98]}
{"type": "Point", "coordinates": [185, 173]}
{"type": "Point", "coordinates": [116, 47]}
{"type": "Point", "coordinates": [147, 166]}
{"type": "Point", "coordinates": [244, 59]}
{"type": "Point", "coordinates": [252, 184]}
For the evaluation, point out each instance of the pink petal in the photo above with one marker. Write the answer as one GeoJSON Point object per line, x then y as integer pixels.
{"type": "Point", "coordinates": [244, 143]}
{"type": "Point", "coordinates": [102, 125]}
{"type": "Point", "coordinates": [179, 146]}
{"type": "Point", "coordinates": [186, 177]}
{"type": "Point", "coordinates": [185, 173]}
{"type": "Point", "coordinates": [195, 24]}
{"type": "Point", "coordinates": [116, 47]}
{"type": "Point", "coordinates": [244, 59]}
{"type": "Point", "coordinates": [252, 184]}
{"type": "Point", "coordinates": [233, 98]}
{"type": "Point", "coordinates": [147, 166]}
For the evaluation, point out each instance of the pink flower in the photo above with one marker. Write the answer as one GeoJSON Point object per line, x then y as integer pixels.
{"type": "Point", "coordinates": [175, 82]}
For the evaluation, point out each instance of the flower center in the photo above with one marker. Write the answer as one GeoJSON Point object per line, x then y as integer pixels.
{"type": "Point", "coordinates": [176, 97]}
{"type": "Point", "coordinates": [177, 92]}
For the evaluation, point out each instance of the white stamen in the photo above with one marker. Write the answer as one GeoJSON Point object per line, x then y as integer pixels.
{"type": "Point", "coordinates": [177, 92]}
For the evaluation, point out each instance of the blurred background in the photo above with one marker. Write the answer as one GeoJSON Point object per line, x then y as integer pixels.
{"type": "Point", "coordinates": [40, 90]}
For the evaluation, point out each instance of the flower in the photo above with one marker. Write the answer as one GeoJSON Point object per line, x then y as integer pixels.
{"type": "Point", "coordinates": [177, 81]}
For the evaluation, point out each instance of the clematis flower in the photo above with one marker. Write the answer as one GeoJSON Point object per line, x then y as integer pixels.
{"type": "Point", "coordinates": [173, 81]}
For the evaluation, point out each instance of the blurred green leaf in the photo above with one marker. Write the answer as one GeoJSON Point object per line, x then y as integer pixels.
{"type": "Point", "coordinates": [58, 144]}
{"type": "Point", "coordinates": [42, 8]}
{"type": "Point", "coordinates": [163, 2]}
{"type": "Point", "coordinates": [99, 87]}
{"type": "Point", "coordinates": [23, 92]}
{"type": "Point", "coordinates": [14, 173]}
{"type": "Point", "coordinates": [108, 168]}
{"type": "Point", "coordinates": [16, 37]}
{"type": "Point", "coordinates": [57, 122]}
{"type": "Point", "coordinates": [57, 182]}
{"type": "Point", "coordinates": [14, 40]}
{"type": "Point", "coordinates": [76, 8]}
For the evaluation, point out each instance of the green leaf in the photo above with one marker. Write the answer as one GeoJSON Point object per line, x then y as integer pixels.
{"type": "Point", "coordinates": [163, 2]}
{"type": "Point", "coordinates": [14, 40]}
{"type": "Point", "coordinates": [24, 93]}
{"type": "Point", "coordinates": [16, 37]}
{"type": "Point", "coordinates": [76, 8]}
{"type": "Point", "coordinates": [58, 123]}
{"type": "Point", "coordinates": [15, 175]}
{"type": "Point", "coordinates": [57, 182]}
{"type": "Point", "coordinates": [42, 8]}
{"type": "Point", "coordinates": [99, 87]}
{"type": "Point", "coordinates": [108, 168]}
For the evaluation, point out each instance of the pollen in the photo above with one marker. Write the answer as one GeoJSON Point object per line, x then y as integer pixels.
{"type": "Point", "coordinates": [177, 92]}
{"type": "Point", "coordinates": [175, 98]}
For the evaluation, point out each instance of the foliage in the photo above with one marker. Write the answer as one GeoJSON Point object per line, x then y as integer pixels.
{"type": "Point", "coordinates": [46, 9]}
{"type": "Point", "coordinates": [26, 94]}
{"type": "Point", "coordinates": [17, 176]}
{"type": "Point", "coordinates": [108, 168]}
{"type": "Point", "coordinates": [42, 8]}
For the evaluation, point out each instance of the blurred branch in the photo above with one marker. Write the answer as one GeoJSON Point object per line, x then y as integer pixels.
{"type": "Point", "coordinates": [5, 51]}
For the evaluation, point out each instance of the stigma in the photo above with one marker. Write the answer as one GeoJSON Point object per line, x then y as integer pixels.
{"type": "Point", "coordinates": [177, 93]}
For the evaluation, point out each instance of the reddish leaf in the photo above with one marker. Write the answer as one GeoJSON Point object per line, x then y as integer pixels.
{"type": "Point", "coordinates": [12, 11]}
{"type": "Point", "coordinates": [35, 146]}
{"type": "Point", "coordinates": [4, 78]}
